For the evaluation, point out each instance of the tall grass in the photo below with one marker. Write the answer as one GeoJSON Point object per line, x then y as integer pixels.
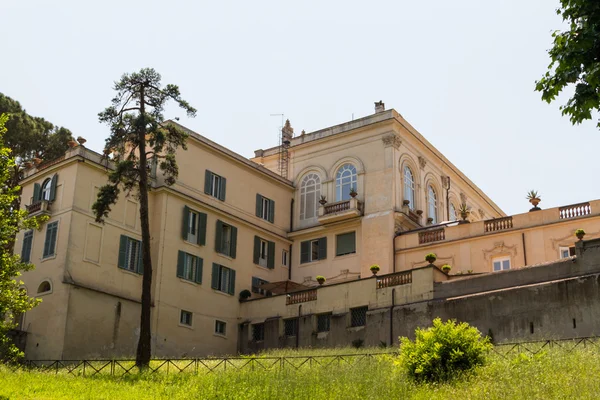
{"type": "Point", "coordinates": [554, 373]}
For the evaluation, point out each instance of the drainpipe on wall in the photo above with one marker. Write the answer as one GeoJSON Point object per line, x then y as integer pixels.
{"type": "Point", "coordinates": [298, 326]}
{"type": "Point", "coordinates": [392, 317]}
{"type": "Point", "coordinates": [448, 198]}
{"type": "Point", "coordinates": [291, 230]}
{"type": "Point", "coordinates": [524, 250]}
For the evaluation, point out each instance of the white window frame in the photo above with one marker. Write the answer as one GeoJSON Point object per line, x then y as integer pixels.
{"type": "Point", "coordinates": [224, 277]}
{"type": "Point", "coordinates": [346, 179]}
{"type": "Point", "coordinates": [564, 248]}
{"type": "Point", "coordinates": [501, 261]}
{"type": "Point", "coordinates": [453, 216]}
{"type": "Point", "coordinates": [266, 208]}
{"type": "Point", "coordinates": [132, 257]}
{"type": "Point", "coordinates": [432, 206]}
{"type": "Point", "coordinates": [215, 185]}
{"type": "Point", "coordinates": [187, 322]}
{"type": "Point", "coordinates": [219, 323]}
{"type": "Point", "coordinates": [193, 220]}
{"type": "Point", "coordinates": [285, 256]}
{"type": "Point", "coordinates": [190, 267]}
{"type": "Point", "coordinates": [46, 189]}
{"type": "Point", "coordinates": [226, 232]}
{"type": "Point", "coordinates": [409, 187]}
{"type": "Point", "coordinates": [263, 253]}
{"type": "Point", "coordinates": [314, 247]}
{"type": "Point", "coordinates": [310, 188]}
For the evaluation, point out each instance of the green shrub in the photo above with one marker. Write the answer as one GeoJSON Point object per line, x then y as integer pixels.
{"type": "Point", "coordinates": [579, 232]}
{"type": "Point", "coordinates": [439, 352]}
{"type": "Point", "coordinates": [431, 257]}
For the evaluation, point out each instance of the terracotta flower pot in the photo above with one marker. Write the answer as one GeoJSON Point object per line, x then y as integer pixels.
{"type": "Point", "coordinates": [534, 201]}
{"type": "Point", "coordinates": [71, 143]}
{"type": "Point", "coordinates": [321, 281]}
{"type": "Point", "coordinates": [430, 260]}
{"type": "Point", "coordinates": [580, 236]}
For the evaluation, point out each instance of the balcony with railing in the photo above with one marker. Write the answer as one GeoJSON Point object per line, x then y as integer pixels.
{"type": "Point", "coordinates": [40, 207]}
{"type": "Point", "coordinates": [301, 297]}
{"type": "Point", "coordinates": [340, 210]}
{"type": "Point", "coordinates": [397, 279]}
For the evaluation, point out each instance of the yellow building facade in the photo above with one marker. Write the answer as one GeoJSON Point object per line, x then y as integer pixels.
{"type": "Point", "coordinates": [331, 203]}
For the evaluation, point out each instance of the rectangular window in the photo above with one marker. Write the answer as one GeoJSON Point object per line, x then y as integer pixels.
{"type": "Point", "coordinates": [50, 241]}
{"type": "Point", "coordinates": [358, 316]}
{"type": "Point", "coordinates": [189, 267]}
{"type": "Point", "coordinates": [27, 244]}
{"type": "Point", "coordinates": [566, 252]}
{"type": "Point", "coordinates": [501, 263]}
{"type": "Point", "coordinates": [185, 318]}
{"type": "Point", "coordinates": [194, 226]}
{"type": "Point", "coordinates": [345, 244]}
{"type": "Point", "coordinates": [265, 208]}
{"type": "Point", "coordinates": [256, 282]}
{"type": "Point", "coordinates": [130, 254]}
{"type": "Point", "coordinates": [323, 322]}
{"type": "Point", "coordinates": [214, 185]}
{"type": "Point", "coordinates": [226, 239]}
{"type": "Point", "coordinates": [313, 250]}
{"type": "Point", "coordinates": [284, 258]}
{"type": "Point", "coordinates": [290, 326]}
{"type": "Point", "coordinates": [223, 279]}
{"type": "Point", "coordinates": [264, 253]}
{"type": "Point", "coordinates": [220, 328]}
{"type": "Point", "coordinates": [258, 332]}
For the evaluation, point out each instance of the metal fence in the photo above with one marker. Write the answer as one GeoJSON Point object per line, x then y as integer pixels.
{"type": "Point", "coordinates": [121, 368]}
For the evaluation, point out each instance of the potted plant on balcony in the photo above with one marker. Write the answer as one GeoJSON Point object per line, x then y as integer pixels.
{"type": "Point", "coordinates": [374, 269]}
{"type": "Point", "coordinates": [353, 192]}
{"type": "Point", "coordinates": [323, 200]}
{"type": "Point", "coordinates": [580, 233]}
{"type": "Point", "coordinates": [446, 268]}
{"type": "Point", "coordinates": [464, 211]}
{"type": "Point", "coordinates": [430, 258]}
{"type": "Point", "coordinates": [320, 279]}
{"type": "Point", "coordinates": [534, 198]}
{"type": "Point", "coordinates": [71, 142]}
{"type": "Point", "coordinates": [245, 294]}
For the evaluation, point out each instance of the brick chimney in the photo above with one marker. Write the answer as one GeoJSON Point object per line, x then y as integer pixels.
{"type": "Point", "coordinates": [379, 107]}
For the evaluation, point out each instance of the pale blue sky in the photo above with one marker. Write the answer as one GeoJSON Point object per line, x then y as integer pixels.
{"type": "Point", "coordinates": [461, 72]}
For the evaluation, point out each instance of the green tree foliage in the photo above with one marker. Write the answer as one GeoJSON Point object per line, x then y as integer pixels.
{"type": "Point", "coordinates": [13, 299]}
{"type": "Point", "coordinates": [575, 60]}
{"type": "Point", "coordinates": [139, 134]}
{"type": "Point", "coordinates": [440, 352]}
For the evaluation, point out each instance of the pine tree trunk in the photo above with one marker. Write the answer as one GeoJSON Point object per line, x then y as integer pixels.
{"type": "Point", "coordinates": [144, 349]}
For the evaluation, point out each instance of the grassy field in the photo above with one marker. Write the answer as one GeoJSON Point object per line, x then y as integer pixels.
{"type": "Point", "coordinates": [555, 373]}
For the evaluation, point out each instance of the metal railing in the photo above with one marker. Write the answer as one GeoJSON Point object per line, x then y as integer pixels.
{"type": "Point", "coordinates": [498, 224]}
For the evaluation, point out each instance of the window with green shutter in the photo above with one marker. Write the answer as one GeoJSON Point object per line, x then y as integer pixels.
{"type": "Point", "coordinates": [193, 228]}
{"type": "Point", "coordinates": [265, 208]}
{"type": "Point", "coordinates": [223, 279]}
{"type": "Point", "coordinates": [215, 185]}
{"type": "Point", "coordinates": [264, 253]}
{"type": "Point", "coordinates": [189, 267]}
{"type": "Point", "coordinates": [50, 240]}
{"type": "Point", "coordinates": [27, 243]}
{"type": "Point", "coordinates": [226, 239]}
{"type": "Point", "coordinates": [130, 255]}
{"type": "Point", "coordinates": [313, 250]}
{"type": "Point", "coordinates": [345, 244]}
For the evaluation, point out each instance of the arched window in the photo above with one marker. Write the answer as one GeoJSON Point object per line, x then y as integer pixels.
{"type": "Point", "coordinates": [46, 189]}
{"type": "Point", "coordinates": [431, 204]}
{"type": "Point", "coordinates": [452, 215]}
{"type": "Point", "coordinates": [44, 287]}
{"type": "Point", "coordinates": [345, 181]}
{"type": "Point", "coordinates": [409, 187]}
{"type": "Point", "coordinates": [310, 192]}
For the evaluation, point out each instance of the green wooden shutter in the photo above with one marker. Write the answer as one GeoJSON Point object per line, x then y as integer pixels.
{"type": "Point", "coordinates": [26, 250]}
{"type": "Point", "coordinates": [50, 240]}
{"type": "Point", "coordinates": [201, 229]}
{"type": "Point", "coordinates": [271, 211]}
{"type": "Point", "coordinates": [53, 187]}
{"type": "Point", "coordinates": [259, 205]}
{"type": "Point", "coordinates": [345, 243]}
{"type": "Point", "coordinates": [231, 289]}
{"type": "Point", "coordinates": [123, 252]}
{"type": "Point", "coordinates": [207, 181]}
{"type": "Point", "coordinates": [255, 283]}
{"type": "Point", "coordinates": [304, 252]}
{"type": "Point", "coordinates": [214, 282]}
{"type": "Point", "coordinates": [37, 192]}
{"type": "Point", "coordinates": [218, 236]}
{"type": "Point", "coordinates": [322, 248]}
{"type": "Point", "coordinates": [233, 250]}
{"type": "Point", "coordinates": [185, 223]}
{"type": "Point", "coordinates": [199, 265]}
{"type": "Point", "coordinates": [140, 264]}
{"type": "Point", "coordinates": [180, 263]}
{"type": "Point", "coordinates": [256, 250]}
{"type": "Point", "coordinates": [223, 189]}
{"type": "Point", "coordinates": [271, 259]}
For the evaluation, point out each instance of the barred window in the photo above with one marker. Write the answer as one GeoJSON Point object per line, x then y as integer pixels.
{"type": "Point", "coordinates": [323, 322]}
{"type": "Point", "coordinates": [258, 332]}
{"type": "Point", "coordinates": [358, 316]}
{"type": "Point", "coordinates": [290, 326]}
